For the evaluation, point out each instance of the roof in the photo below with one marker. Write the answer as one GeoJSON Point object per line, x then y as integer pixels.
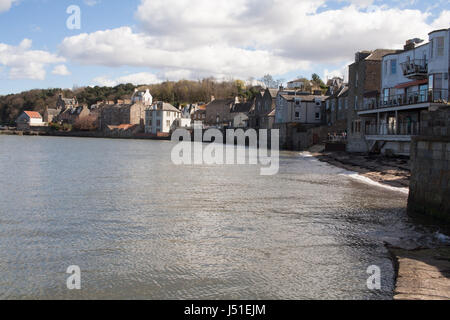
{"type": "Point", "coordinates": [308, 98]}
{"type": "Point", "coordinates": [165, 106]}
{"type": "Point", "coordinates": [378, 54]}
{"type": "Point", "coordinates": [220, 102]}
{"type": "Point", "coordinates": [273, 92]}
{"type": "Point", "coordinates": [33, 114]}
{"type": "Point", "coordinates": [242, 107]}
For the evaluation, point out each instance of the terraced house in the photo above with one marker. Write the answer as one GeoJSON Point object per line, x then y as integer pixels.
{"type": "Point", "coordinates": [413, 80]}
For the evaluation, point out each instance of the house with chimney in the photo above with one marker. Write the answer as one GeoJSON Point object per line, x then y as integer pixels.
{"type": "Point", "coordinates": [412, 80]}
{"type": "Point", "coordinates": [364, 87]}
{"type": "Point", "coordinates": [162, 118]}
{"type": "Point", "coordinates": [300, 116]}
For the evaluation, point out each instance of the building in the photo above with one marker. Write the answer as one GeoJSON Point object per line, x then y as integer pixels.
{"type": "Point", "coordinates": [239, 113]}
{"type": "Point", "coordinates": [264, 105]}
{"type": "Point", "coordinates": [337, 106]}
{"type": "Point", "coordinates": [64, 103]}
{"type": "Point", "coordinates": [298, 84]}
{"type": "Point", "coordinates": [413, 80]}
{"type": "Point", "coordinates": [160, 118]}
{"type": "Point", "coordinates": [29, 120]}
{"type": "Point", "coordinates": [70, 115]}
{"type": "Point", "coordinates": [218, 112]}
{"type": "Point", "coordinates": [364, 85]}
{"type": "Point", "coordinates": [300, 107]}
{"type": "Point", "coordinates": [142, 96]}
{"type": "Point", "coordinates": [299, 116]}
{"type": "Point", "coordinates": [117, 114]}
{"type": "Point", "coordinates": [51, 114]}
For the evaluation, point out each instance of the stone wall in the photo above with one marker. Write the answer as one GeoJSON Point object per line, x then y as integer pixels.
{"type": "Point", "coordinates": [430, 167]}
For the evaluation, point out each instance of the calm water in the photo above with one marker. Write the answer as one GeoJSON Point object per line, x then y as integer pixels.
{"type": "Point", "coordinates": [140, 227]}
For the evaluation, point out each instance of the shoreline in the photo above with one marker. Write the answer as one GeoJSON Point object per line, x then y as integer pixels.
{"type": "Point", "coordinates": [392, 173]}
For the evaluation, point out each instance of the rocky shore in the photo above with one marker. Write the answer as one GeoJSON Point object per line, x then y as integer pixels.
{"type": "Point", "coordinates": [392, 171]}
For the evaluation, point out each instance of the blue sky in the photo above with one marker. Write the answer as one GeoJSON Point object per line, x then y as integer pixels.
{"type": "Point", "coordinates": [153, 40]}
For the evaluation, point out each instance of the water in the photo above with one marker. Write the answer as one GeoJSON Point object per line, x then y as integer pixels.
{"type": "Point", "coordinates": [142, 228]}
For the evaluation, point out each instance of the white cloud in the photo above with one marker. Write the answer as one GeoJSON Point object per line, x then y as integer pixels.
{"type": "Point", "coordinates": [248, 38]}
{"type": "Point", "coordinates": [61, 70]}
{"type": "Point", "coordinates": [5, 5]}
{"type": "Point", "coordinates": [136, 79]}
{"type": "Point", "coordinates": [24, 63]}
{"type": "Point", "coordinates": [118, 47]}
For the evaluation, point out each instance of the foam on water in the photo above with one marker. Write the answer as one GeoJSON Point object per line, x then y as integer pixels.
{"type": "Point", "coordinates": [361, 178]}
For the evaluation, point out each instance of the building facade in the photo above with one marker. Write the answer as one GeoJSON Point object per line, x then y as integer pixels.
{"type": "Point", "coordinates": [364, 85]}
{"type": "Point", "coordinates": [412, 80]}
{"type": "Point", "coordinates": [162, 118]}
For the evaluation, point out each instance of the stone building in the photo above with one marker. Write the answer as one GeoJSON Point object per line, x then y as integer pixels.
{"type": "Point", "coordinates": [261, 116]}
{"type": "Point", "coordinates": [337, 106]}
{"type": "Point", "coordinates": [118, 114]}
{"type": "Point", "coordinates": [218, 112]}
{"type": "Point", "coordinates": [364, 82]}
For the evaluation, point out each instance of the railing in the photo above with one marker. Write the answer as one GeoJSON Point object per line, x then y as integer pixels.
{"type": "Point", "coordinates": [415, 67]}
{"type": "Point", "coordinates": [401, 128]}
{"type": "Point", "coordinates": [415, 97]}
{"type": "Point", "coordinates": [337, 137]}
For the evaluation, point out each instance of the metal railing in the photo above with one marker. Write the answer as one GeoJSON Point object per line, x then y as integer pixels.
{"type": "Point", "coordinates": [401, 128]}
{"type": "Point", "coordinates": [410, 98]}
{"type": "Point", "coordinates": [415, 67]}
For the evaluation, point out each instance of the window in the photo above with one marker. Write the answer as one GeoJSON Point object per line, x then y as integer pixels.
{"type": "Point", "coordinates": [168, 123]}
{"type": "Point", "coordinates": [393, 66]}
{"type": "Point", "coordinates": [317, 115]}
{"type": "Point", "coordinates": [356, 103]}
{"type": "Point", "coordinates": [297, 113]}
{"type": "Point", "coordinates": [385, 68]}
{"type": "Point", "coordinates": [440, 47]}
{"type": "Point", "coordinates": [357, 79]}
{"type": "Point", "coordinates": [158, 123]}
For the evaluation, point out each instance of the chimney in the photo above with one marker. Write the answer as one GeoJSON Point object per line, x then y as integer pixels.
{"type": "Point", "coordinates": [409, 45]}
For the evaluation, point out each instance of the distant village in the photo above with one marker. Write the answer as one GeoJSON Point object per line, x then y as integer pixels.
{"type": "Point", "coordinates": [378, 110]}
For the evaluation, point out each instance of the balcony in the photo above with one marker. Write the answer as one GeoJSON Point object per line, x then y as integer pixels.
{"type": "Point", "coordinates": [415, 69]}
{"type": "Point", "coordinates": [393, 129]}
{"type": "Point", "coordinates": [410, 98]}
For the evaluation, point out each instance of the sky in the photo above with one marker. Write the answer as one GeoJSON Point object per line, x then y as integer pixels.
{"type": "Point", "coordinates": [150, 41]}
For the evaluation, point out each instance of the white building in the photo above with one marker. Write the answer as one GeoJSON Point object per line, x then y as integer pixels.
{"type": "Point", "coordinates": [29, 120]}
{"type": "Point", "coordinates": [159, 118]}
{"type": "Point", "coordinates": [142, 96]}
{"type": "Point", "coordinates": [412, 80]}
{"type": "Point", "coordinates": [296, 84]}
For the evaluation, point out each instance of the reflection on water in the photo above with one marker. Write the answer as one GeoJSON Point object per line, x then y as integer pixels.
{"type": "Point", "coordinates": [140, 227]}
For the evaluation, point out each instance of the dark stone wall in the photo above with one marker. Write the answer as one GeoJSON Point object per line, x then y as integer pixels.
{"type": "Point", "coordinates": [430, 167]}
